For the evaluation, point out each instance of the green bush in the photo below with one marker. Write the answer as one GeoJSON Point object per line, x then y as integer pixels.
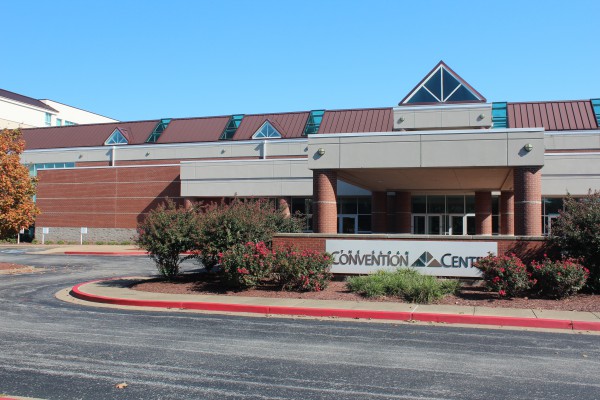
{"type": "Point", "coordinates": [221, 226]}
{"type": "Point", "coordinates": [302, 270]}
{"type": "Point", "coordinates": [506, 275]}
{"type": "Point", "coordinates": [576, 234]}
{"type": "Point", "coordinates": [405, 283]}
{"type": "Point", "coordinates": [558, 278]}
{"type": "Point", "coordinates": [246, 265]}
{"type": "Point", "coordinates": [166, 233]}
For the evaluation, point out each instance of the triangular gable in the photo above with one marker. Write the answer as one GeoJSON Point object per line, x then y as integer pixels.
{"type": "Point", "coordinates": [267, 131]}
{"type": "Point", "coordinates": [442, 85]}
{"type": "Point", "coordinates": [118, 137]}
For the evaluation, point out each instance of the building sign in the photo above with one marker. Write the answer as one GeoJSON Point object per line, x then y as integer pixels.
{"type": "Point", "coordinates": [440, 258]}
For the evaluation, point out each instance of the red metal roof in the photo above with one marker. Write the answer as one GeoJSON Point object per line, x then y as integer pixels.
{"type": "Point", "coordinates": [85, 135]}
{"type": "Point", "coordinates": [552, 115]}
{"type": "Point", "coordinates": [191, 130]}
{"type": "Point", "coordinates": [290, 125]}
{"type": "Point", "coordinates": [362, 120]}
{"type": "Point", "coordinates": [24, 99]}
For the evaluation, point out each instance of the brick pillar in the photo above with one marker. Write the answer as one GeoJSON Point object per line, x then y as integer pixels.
{"type": "Point", "coordinates": [483, 213]}
{"type": "Point", "coordinates": [528, 201]}
{"type": "Point", "coordinates": [403, 212]}
{"type": "Point", "coordinates": [284, 207]}
{"type": "Point", "coordinates": [507, 213]}
{"type": "Point", "coordinates": [379, 212]}
{"type": "Point", "coordinates": [325, 201]}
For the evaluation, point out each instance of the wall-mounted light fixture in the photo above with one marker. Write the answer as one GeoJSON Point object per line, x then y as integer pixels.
{"type": "Point", "coordinates": [400, 120]}
{"type": "Point", "coordinates": [321, 151]}
{"type": "Point", "coordinates": [81, 156]}
{"type": "Point", "coordinates": [481, 116]}
{"type": "Point", "coordinates": [147, 153]}
{"type": "Point", "coordinates": [528, 147]}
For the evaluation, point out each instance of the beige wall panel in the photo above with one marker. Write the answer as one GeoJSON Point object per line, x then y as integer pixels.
{"type": "Point", "coordinates": [428, 119]}
{"type": "Point", "coordinates": [458, 153]}
{"type": "Point", "coordinates": [37, 157]}
{"type": "Point", "coordinates": [248, 188]}
{"type": "Point", "coordinates": [455, 118]}
{"type": "Point", "coordinates": [476, 120]}
{"type": "Point", "coordinates": [464, 137]}
{"type": "Point", "coordinates": [572, 164]}
{"type": "Point", "coordinates": [572, 141]}
{"type": "Point", "coordinates": [380, 155]}
{"type": "Point", "coordinates": [575, 185]}
{"type": "Point", "coordinates": [387, 138]}
{"type": "Point", "coordinates": [331, 158]}
{"type": "Point", "coordinates": [517, 155]}
{"type": "Point", "coordinates": [404, 120]}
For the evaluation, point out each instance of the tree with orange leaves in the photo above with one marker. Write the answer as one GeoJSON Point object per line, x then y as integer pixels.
{"type": "Point", "coordinates": [17, 188]}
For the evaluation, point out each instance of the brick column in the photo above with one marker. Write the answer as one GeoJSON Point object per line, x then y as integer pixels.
{"type": "Point", "coordinates": [528, 201]}
{"type": "Point", "coordinates": [379, 212]}
{"type": "Point", "coordinates": [325, 201]}
{"type": "Point", "coordinates": [284, 207]}
{"type": "Point", "coordinates": [507, 213]}
{"type": "Point", "coordinates": [483, 213]}
{"type": "Point", "coordinates": [403, 212]}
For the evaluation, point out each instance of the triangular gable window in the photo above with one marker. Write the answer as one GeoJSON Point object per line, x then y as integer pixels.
{"type": "Point", "coordinates": [116, 138]}
{"type": "Point", "coordinates": [442, 85]}
{"type": "Point", "coordinates": [266, 131]}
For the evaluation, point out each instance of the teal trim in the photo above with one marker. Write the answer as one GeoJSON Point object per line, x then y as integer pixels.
{"type": "Point", "coordinates": [499, 116]}
{"type": "Point", "coordinates": [232, 126]}
{"type": "Point", "coordinates": [116, 138]}
{"type": "Point", "coordinates": [33, 168]}
{"type": "Point", "coordinates": [596, 106]}
{"type": "Point", "coordinates": [158, 130]}
{"type": "Point", "coordinates": [313, 122]}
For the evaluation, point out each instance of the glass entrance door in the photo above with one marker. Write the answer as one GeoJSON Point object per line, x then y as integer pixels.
{"type": "Point", "coordinates": [347, 223]}
{"type": "Point", "coordinates": [457, 225]}
{"type": "Point", "coordinates": [434, 224]}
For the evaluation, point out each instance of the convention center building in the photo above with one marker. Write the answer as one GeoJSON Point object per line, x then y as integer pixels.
{"type": "Point", "coordinates": [444, 162]}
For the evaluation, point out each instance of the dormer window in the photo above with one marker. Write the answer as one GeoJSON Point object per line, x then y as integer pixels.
{"type": "Point", "coordinates": [158, 130]}
{"type": "Point", "coordinates": [266, 131]}
{"type": "Point", "coordinates": [116, 138]}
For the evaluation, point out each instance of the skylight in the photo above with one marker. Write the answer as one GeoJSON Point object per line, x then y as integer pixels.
{"type": "Point", "coordinates": [158, 129]}
{"type": "Point", "coordinates": [116, 138]}
{"type": "Point", "coordinates": [231, 128]}
{"type": "Point", "coordinates": [442, 85]}
{"type": "Point", "coordinates": [313, 122]}
{"type": "Point", "coordinates": [266, 131]}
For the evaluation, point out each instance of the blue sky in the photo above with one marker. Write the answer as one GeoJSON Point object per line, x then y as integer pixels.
{"type": "Point", "coordinates": [134, 60]}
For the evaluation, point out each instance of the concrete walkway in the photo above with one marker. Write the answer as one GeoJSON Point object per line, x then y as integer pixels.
{"type": "Point", "coordinates": [117, 291]}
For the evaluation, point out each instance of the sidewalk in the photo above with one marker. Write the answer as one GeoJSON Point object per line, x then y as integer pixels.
{"type": "Point", "coordinates": [117, 291]}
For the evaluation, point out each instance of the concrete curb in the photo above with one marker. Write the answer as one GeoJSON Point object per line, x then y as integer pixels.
{"type": "Point", "coordinates": [77, 292]}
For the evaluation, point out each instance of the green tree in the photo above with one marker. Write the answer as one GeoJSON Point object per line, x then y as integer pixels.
{"type": "Point", "coordinates": [576, 234]}
{"type": "Point", "coordinates": [17, 188]}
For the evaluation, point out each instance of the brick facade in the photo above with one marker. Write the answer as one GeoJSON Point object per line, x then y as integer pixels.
{"type": "Point", "coordinates": [325, 201]}
{"type": "Point", "coordinates": [483, 213]}
{"type": "Point", "coordinates": [528, 201]}
{"type": "Point", "coordinates": [379, 212]}
{"type": "Point", "coordinates": [507, 213]}
{"type": "Point", "coordinates": [402, 212]}
{"type": "Point", "coordinates": [104, 197]}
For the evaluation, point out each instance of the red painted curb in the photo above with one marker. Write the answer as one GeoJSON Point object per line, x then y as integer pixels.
{"type": "Point", "coordinates": [342, 313]}
{"type": "Point", "coordinates": [106, 253]}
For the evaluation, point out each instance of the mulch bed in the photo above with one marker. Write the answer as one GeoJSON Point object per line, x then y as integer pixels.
{"type": "Point", "coordinates": [11, 266]}
{"type": "Point", "coordinates": [469, 295]}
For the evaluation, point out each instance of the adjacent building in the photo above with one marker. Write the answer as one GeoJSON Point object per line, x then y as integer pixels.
{"type": "Point", "coordinates": [19, 111]}
{"type": "Point", "coordinates": [444, 161]}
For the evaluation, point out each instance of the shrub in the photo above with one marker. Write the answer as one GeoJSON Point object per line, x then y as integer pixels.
{"type": "Point", "coordinates": [506, 275]}
{"type": "Point", "coordinates": [222, 226]}
{"type": "Point", "coordinates": [244, 266]}
{"type": "Point", "coordinates": [576, 234]}
{"type": "Point", "coordinates": [408, 284]}
{"type": "Point", "coordinates": [558, 278]}
{"type": "Point", "coordinates": [167, 232]}
{"type": "Point", "coordinates": [302, 270]}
